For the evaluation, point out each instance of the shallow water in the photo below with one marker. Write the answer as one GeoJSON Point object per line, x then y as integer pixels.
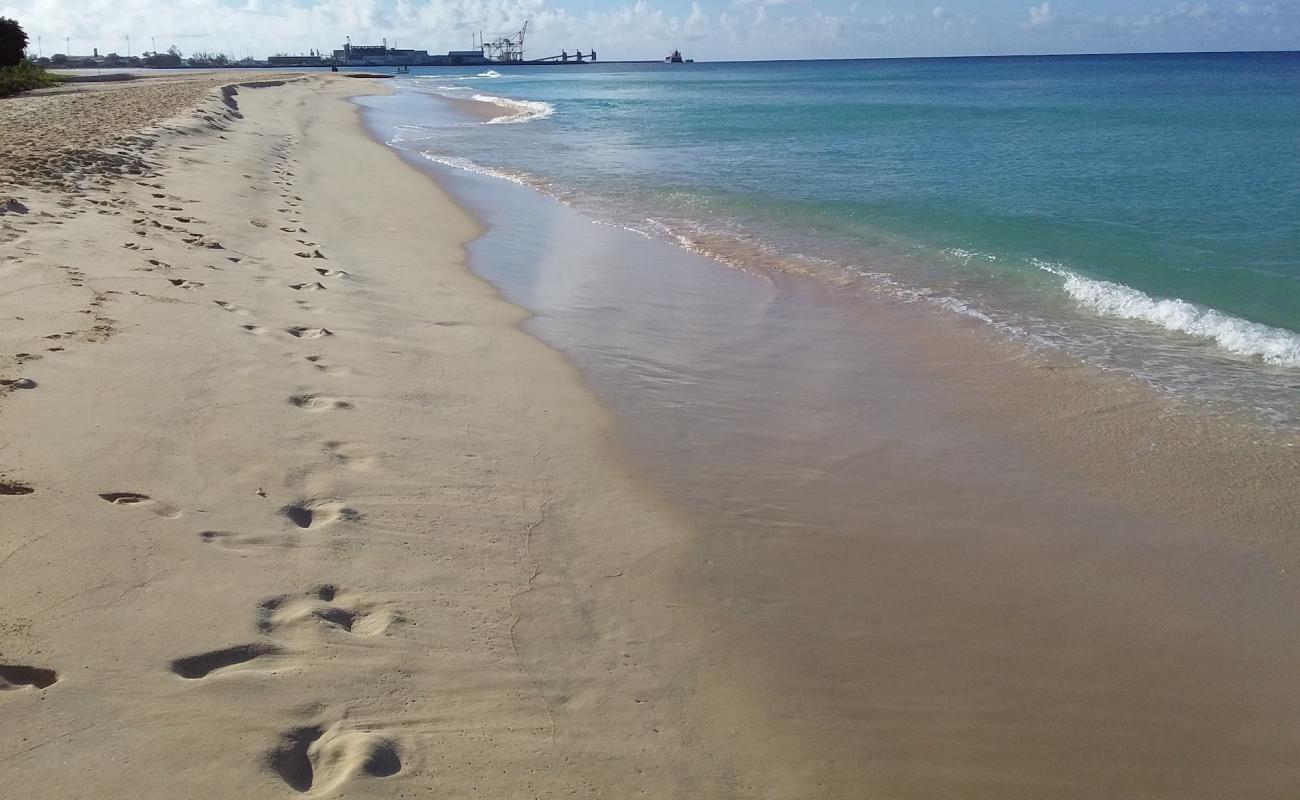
{"type": "Point", "coordinates": [1134, 210]}
{"type": "Point", "coordinates": [913, 603]}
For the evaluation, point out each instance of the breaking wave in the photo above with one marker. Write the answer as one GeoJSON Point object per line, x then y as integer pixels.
{"type": "Point", "coordinates": [456, 162]}
{"type": "Point", "coordinates": [520, 110]}
{"type": "Point", "coordinates": [1242, 337]}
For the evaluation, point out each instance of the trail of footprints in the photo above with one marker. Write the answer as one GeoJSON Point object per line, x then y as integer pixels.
{"type": "Point", "coordinates": [320, 755]}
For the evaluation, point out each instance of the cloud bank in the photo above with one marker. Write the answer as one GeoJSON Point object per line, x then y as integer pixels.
{"type": "Point", "coordinates": [726, 29]}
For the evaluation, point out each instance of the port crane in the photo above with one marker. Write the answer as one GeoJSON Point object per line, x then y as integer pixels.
{"type": "Point", "coordinates": [510, 50]}
{"type": "Point", "coordinates": [505, 49]}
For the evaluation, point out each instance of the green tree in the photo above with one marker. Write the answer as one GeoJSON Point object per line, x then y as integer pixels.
{"type": "Point", "coordinates": [169, 59]}
{"type": "Point", "coordinates": [13, 42]}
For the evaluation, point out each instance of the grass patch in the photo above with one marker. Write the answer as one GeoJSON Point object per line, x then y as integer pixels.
{"type": "Point", "coordinates": [24, 77]}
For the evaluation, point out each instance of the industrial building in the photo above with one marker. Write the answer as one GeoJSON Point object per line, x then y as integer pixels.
{"type": "Point", "coordinates": [381, 55]}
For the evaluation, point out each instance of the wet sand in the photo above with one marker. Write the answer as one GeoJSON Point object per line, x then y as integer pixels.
{"type": "Point", "coordinates": [294, 506]}
{"type": "Point", "coordinates": [935, 563]}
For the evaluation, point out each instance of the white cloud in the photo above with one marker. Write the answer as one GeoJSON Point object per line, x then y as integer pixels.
{"type": "Point", "coordinates": [704, 29]}
{"type": "Point", "coordinates": [1040, 14]}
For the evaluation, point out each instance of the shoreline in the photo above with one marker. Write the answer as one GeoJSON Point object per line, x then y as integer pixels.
{"type": "Point", "coordinates": [1201, 349]}
{"type": "Point", "coordinates": [312, 513]}
{"type": "Point", "coordinates": [1101, 425]}
{"type": "Point", "coordinates": [341, 514]}
{"type": "Point", "coordinates": [1061, 503]}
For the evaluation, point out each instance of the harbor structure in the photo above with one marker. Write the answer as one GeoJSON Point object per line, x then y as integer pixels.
{"type": "Point", "coordinates": [381, 55]}
{"type": "Point", "coordinates": [507, 49]}
{"type": "Point", "coordinates": [282, 60]}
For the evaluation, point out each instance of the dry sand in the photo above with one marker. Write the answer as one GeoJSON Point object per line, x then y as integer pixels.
{"type": "Point", "coordinates": [292, 506]}
{"type": "Point", "coordinates": [275, 468]}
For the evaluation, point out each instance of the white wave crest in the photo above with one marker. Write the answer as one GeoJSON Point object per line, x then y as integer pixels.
{"type": "Point", "coordinates": [456, 162]}
{"type": "Point", "coordinates": [967, 256]}
{"type": "Point", "coordinates": [520, 110]}
{"type": "Point", "coordinates": [1245, 338]}
{"type": "Point", "coordinates": [489, 74]}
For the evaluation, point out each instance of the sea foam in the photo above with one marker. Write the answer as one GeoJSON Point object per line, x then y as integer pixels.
{"type": "Point", "coordinates": [1236, 335]}
{"type": "Point", "coordinates": [456, 162]}
{"type": "Point", "coordinates": [520, 110]}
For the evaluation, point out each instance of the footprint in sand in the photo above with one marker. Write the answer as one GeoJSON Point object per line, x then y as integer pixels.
{"type": "Point", "coordinates": [308, 333]}
{"type": "Point", "coordinates": [21, 676]}
{"type": "Point", "coordinates": [317, 402]}
{"type": "Point", "coordinates": [142, 501]}
{"type": "Point", "coordinates": [349, 455]}
{"type": "Point", "coordinates": [199, 240]}
{"type": "Point", "coordinates": [231, 307]}
{"type": "Point", "coordinates": [308, 287]}
{"type": "Point", "coordinates": [325, 608]}
{"type": "Point", "coordinates": [17, 383]}
{"type": "Point", "coordinates": [316, 760]}
{"type": "Point", "coordinates": [318, 513]}
{"type": "Point", "coordinates": [333, 273]}
{"type": "Point", "coordinates": [238, 542]}
{"type": "Point", "coordinates": [329, 369]}
{"type": "Point", "coordinates": [309, 254]}
{"type": "Point", "coordinates": [256, 330]}
{"type": "Point", "coordinates": [205, 664]}
{"type": "Point", "coordinates": [181, 283]}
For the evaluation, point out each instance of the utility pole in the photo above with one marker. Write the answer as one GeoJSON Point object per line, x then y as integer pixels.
{"type": "Point", "coordinates": [67, 46]}
{"type": "Point", "coordinates": [40, 53]}
{"type": "Point", "coordinates": [154, 44]}
{"type": "Point", "coordinates": [128, 44]}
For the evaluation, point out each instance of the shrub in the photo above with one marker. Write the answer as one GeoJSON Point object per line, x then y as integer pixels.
{"type": "Point", "coordinates": [13, 42]}
{"type": "Point", "coordinates": [23, 77]}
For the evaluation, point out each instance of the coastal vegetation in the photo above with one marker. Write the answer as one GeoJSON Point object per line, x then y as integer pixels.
{"type": "Point", "coordinates": [17, 74]}
{"type": "Point", "coordinates": [23, 77]}
{"type": "Point", "coordinates": [13, 42]}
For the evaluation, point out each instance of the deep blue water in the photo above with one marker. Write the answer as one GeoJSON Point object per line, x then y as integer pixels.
{"type": "Point", "coordinates": [1142, 212]}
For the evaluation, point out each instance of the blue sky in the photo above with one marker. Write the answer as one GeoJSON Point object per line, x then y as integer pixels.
{"type": "Point", "coordinates": [705, 29]}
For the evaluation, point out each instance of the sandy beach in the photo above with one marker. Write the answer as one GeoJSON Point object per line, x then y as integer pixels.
{"type": "Point", "coordinates": [273, 474]}
{"type": "Point", "coordinates": [295, 503]}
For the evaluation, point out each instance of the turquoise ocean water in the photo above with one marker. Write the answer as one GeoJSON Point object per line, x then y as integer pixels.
{"type": "Point", "coordinates": [1140, 212]}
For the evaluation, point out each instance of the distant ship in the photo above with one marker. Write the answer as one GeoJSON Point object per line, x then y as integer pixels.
{"type": "Point", "coordinates": [676, 58]}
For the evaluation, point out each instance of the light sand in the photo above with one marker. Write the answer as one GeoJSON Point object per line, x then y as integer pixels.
{"type": "Point", "coordinates": [277, 469]}
{"type": "Point", "coordinates": [292, 506]}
